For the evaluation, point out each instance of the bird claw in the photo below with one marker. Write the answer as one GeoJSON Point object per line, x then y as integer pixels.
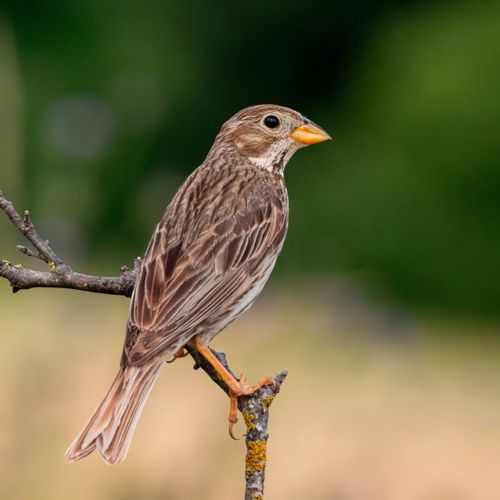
{"type": "Point", "coordinates": [233, 415]}
{"type": "Point", "coordinates": [181, 353]}
{"type": "Point", "coordinates": [236, 386]}
{"type": "Point", "coordinates": [241, 390]}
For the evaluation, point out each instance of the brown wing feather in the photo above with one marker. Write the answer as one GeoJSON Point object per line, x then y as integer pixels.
{"type": "Point", "coordinates": [185, 287]}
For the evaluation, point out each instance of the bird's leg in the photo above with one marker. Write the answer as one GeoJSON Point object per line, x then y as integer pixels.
{"type": "Point", "coordinates": [223, 360]}
{"type": "Point", "coordinates": [236, 387]}
{"type": "Point", "coordinates": [181, 353]}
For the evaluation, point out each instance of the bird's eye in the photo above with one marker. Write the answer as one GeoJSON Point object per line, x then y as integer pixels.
{"type": "Point", "coordinates": [271, 121]}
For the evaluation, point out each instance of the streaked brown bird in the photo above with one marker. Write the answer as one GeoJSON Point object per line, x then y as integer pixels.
{"type": "Point", "coordinates": [208, 259]}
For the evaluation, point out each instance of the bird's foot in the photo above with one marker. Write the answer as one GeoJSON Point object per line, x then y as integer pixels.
{"type": "Point", "coordinates": [236, 386]}
{"type": "Point", "coordinates": [181, 353]}
{"type": "Point", "coordinates": [241, 389]}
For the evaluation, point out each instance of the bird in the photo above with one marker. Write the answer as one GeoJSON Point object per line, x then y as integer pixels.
{"type": "Point", "coordinates": [207, 261]}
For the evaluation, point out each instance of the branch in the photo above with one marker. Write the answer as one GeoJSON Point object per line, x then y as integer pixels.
{"type": "Point", "coordinates": [255, 411]}
{"type": "Point", "coordinates": [60, 275]}
{"type": "Point", "coordinates": [255, 408]}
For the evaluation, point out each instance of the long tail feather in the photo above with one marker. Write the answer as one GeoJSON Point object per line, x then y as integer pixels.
{"type": "Point", "coordinates": [112, 425]}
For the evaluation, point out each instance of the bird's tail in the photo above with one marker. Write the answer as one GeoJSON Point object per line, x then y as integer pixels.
{"type": "Point", "coordinates": [112, 425]}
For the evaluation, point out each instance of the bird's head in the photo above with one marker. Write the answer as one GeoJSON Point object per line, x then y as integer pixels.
{"type": "Point", "coordinates": [268, 135]}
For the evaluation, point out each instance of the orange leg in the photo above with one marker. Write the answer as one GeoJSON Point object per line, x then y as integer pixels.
{"type": "Point", "coordinates": [236, 388]}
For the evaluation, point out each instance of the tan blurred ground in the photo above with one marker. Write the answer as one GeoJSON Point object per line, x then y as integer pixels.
{"type": "Point", "coordinates": [378, 406]}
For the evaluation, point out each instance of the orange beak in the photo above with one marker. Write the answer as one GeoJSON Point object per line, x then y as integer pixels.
{"type": "Point", "coordinates": [310, 133]}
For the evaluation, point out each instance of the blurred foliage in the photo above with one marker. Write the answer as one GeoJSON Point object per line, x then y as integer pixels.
{"type": "Point", "coordinates": [119, 101]}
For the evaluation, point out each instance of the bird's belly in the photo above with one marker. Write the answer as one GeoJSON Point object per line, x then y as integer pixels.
{"type": "Point", "coordinates": [237, 308]}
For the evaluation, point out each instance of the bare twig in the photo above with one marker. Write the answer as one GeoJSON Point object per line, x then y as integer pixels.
{"type": "Point", "coordinates": [24, 224]}
{"type": "Point", "coordinates": [255, 408]}
{"type": "Point", "coordinates": [60, 275]}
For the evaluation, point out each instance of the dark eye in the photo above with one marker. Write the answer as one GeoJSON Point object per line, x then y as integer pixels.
{"type": "Point", "coordinates": [271, 121]}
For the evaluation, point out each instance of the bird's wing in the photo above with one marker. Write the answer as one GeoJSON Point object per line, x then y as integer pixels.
{"type": "Point", "coordinates": [180, 288]}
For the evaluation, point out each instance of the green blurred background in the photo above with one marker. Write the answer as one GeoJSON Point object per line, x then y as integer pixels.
{"type": "Point", "coordinates": [385, 301]}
